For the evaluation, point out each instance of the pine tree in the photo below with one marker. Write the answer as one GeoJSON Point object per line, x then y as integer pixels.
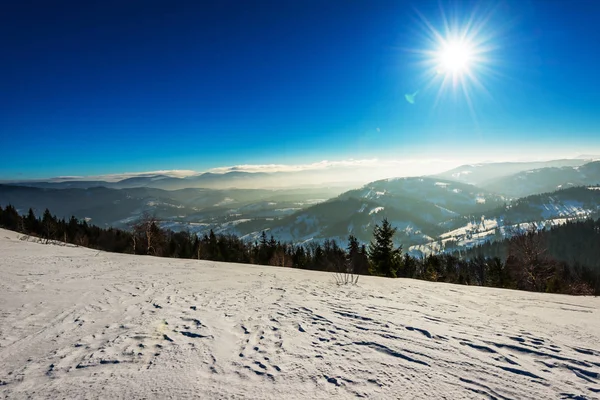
{"type": "Point", "coordinates": [385, 260]}
{"type": "Point", "coordinates": [357, 257]}
{"type": "Point", "coordinates": [10, 218]}
{"type": "Point", "coordinates": [31, 222]}
{"type": "Point", "coordinates": [213, 247]}
{"type": "Point", "coordinates": [48, 225]}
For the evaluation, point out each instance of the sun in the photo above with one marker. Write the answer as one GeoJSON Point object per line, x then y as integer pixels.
{"type": "Point", "coordinates": [455, 57]}
{"type": "Point", "coordinates": [459, 53]}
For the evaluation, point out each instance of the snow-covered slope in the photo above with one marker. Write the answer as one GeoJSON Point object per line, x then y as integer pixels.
{"type": "Point", "coordinates": [336, 219]}
{"type": "Point", "coordinates": [415, 206]}
{"type": "Point", "coordinates": [428, 196]}
{"type": "Point", "coordinates": [78, 323]}
{"type": "Point", "coordinates": [542, 211]}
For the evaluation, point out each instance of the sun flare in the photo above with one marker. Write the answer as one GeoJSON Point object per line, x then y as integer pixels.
{"type": "Point", "coordinates": [459, 54]}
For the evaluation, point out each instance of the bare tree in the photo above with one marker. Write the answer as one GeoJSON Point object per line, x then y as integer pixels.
{"type": "Point", "coordinates": [279, 259]}
{"type": "Point", "coordinates": [345, 275]}
{"type": "Point", "coordinates": [528, 261]}
{"type": "Point", "coordinates": [147, 234]}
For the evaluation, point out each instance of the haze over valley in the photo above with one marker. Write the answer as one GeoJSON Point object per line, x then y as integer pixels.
{"type": "Point", "coordinates": [448, 211]}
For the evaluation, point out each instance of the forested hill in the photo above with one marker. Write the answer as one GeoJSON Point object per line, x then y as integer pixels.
{"type": "Point", "coordinates": [575, 243]}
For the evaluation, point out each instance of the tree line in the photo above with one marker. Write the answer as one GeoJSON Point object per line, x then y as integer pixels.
{"type": "Point", "coordinates": [527, 261]}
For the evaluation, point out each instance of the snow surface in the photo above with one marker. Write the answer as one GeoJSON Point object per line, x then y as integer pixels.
{"type": "Point", "coordinates": [376, 210]}
{"type": "Point", "coordinates": [79, 323]}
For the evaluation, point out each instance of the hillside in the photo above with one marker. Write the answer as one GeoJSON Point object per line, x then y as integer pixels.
{"type": "Point", "coordinates": [482, 173]}
{"type": "Point", "coordinates": [416, 206]}
{"type": "Point", "coordinates": [544, 210]}
{"type": "Point", "coordinates": [543, 180]}
{"type": "Point", "coordinates": [196, 209]}
{"type": "Point", "coordinates": [574, 242]}
{"type": "Point", "coordinates": [430, 213]}
{"type": "Point", "coordinates": [82, 323]}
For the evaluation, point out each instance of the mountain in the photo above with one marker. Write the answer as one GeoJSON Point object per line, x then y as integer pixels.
{"type": "Point", "coordinates": [574, 242]}
{"type": "Point", "coordinates": [542, 210]}
{"type": "Point", "coordinates": [430, 213]}
{"type": "Point", "coordinates": [477, 174]}
{"type": "Point", "coordinates": [336, 219]}
{"type": "Point", "coordinates": [210, 180]}
{"type": "Point", "coordinates": [547, 179]}
{"type": "Point", "coordinates": [441, 198]}
{"type": "Point", "coordinates": [196, 209]}
{"type": "Point", "coordinates": [416, 206]}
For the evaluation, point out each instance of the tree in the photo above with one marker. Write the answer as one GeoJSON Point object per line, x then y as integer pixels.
{"type": "Point", "coordinates": [385, 260]}
{"type": "Point", "coordinates": [528, 262]}
{"type": "Point", "coordinates": [357, 257]}
{"type": "Point", "coordinates": [148, 238]}
{"type": "Point", "coordinates": [48, 225]}
{"type": "Point", "coordinates": [10, 218]}
{"type": "Point", "coordinates": [31, 223]}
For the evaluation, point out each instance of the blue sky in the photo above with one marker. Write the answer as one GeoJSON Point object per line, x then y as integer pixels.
{"type": "Point", "coordinates": [95, 87]}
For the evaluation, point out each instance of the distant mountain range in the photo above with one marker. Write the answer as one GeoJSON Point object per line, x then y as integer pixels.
{"type": "Point", "coordinates": [477, 174]}
{"type": "Point", "coordinates": [546, 179]}
{"type": "Point", "coordinates": [452, 210]}
{"type": "Point", "coordinates": [179, 208]}
{"type": "Point", "coordinates": [210, 180]}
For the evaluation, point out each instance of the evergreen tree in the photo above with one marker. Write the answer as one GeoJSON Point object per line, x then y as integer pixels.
{"type": "Point", "coordinates": [10, 218]}
{"type": "Point", "coordinates": [357, 256]}
{"type": "Point", "coordinates": [385, 260]}
{"type": "Point", "coordinates": [213, 247]}
{"type": "Point", "coordinates": [263, 249]}
{"type": "Point", "coordinates": [48, 225]}
{"type": "Point", "coordinates": [31, 222]}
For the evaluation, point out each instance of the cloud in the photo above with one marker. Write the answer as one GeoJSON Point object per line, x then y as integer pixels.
{"type": "Point", "coordinates": [349, 170]}
{"type": "Point", "coordinates": [270, 168]}
{"type": "Point", "coordinates": [371, 167]}
{"type": "Point", "coordinates": [378, 130]}
{"type": "Point", "coordinates": [175, 173]}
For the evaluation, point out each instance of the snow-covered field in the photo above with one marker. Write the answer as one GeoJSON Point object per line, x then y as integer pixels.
{"type": "Point", "coordinates": [78, 323]}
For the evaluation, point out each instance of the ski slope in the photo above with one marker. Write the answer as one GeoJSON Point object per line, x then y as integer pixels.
{"type": "Point", "coordinates": [79, 323]}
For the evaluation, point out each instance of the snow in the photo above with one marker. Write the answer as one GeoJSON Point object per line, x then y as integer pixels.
{"type": "Point", "coordinates": [568, 208]}
{"type": "Point", "coordinates": [376, 210]}
{"type": "Point", "coordinates": [459, 174]}
{"type": "Point", "coordinates": [152, 203]}
{"type": "Point", "coordinates": [225, 201]}
{"type": "Point", "coordinates": [446, 212]}
{"type": "Point", "coordinates": [470, 227]}
{"type": "Point", "coordinates": [79, 323]}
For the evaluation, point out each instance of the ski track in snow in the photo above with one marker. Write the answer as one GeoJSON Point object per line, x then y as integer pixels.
{"type": "Point", "coordinates": [78, 323]}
